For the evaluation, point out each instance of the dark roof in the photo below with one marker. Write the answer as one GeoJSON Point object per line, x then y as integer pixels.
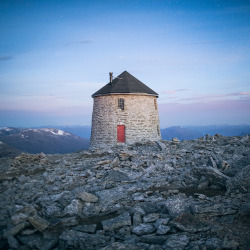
{"type": "Point", "coordinates": [125, 83]}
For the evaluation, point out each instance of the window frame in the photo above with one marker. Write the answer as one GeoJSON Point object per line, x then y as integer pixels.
{"type": "Point", "coordinates": [155, 103]}
{"type": "Point", "coordinates": [121, 103]}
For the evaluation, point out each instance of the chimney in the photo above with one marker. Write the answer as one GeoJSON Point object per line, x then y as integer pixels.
{"type": "Point", "coordinates": [110, 77]}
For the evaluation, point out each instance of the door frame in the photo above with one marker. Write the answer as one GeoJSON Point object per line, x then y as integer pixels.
{"type": "Point", "coordinates": [121, 134]}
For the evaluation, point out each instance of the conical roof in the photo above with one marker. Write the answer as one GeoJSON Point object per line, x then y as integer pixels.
{"type": "Point", "coordinates": [125, 83]}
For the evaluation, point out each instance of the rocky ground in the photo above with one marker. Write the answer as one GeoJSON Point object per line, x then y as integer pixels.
{"type": "Point", "coordinates": [156, 195]}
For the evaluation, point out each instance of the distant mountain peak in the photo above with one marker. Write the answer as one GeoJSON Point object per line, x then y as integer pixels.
{"type": "Point", "coordinates": [47, 140]}
{"type": "Point", "coordinates": [53, 131]}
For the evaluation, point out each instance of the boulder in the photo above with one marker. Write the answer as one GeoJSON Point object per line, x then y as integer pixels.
{"type": "Point", "coordinates": [87, 197]}
{"type": "Point", "coordinates": [190, 223]}
{"type": "Point", "coordinates": [176, 242]}
{"type": "Point", "coordinates": [33, 241]}
{"type": "Point", "coordinates": [175, 140]}
{"type": "Point", "coordinates": [53, 210]}
{"type": "Point", "coordinates": [21, 214]}
{"type": "Point", "coordinates": [74, 208]}
{"type": "Point", "coordinates": [122, 246]}
{"type": "Point", "coordinates": [44, 241]}
{"type": "Point", "coordinates": [111, 196]}
{"type": "Point", "coordinates": [117, 222]}
{"type": "Point", "coordinates": [210, 174]}
{"type": "Point", "coordinates": [161, 145]}
{"type": "Point", "coordinates": [116, 175]}
{"type": "Point", "coordinates": [13, 242]}
{"type": "Point", "coordinates": [213, 243]}
{"type": "Point", "coordinates": [215, 209]}
{"type": "Point", "coordinates": [240, 182]}
{"type": "Point", "coordinates": [162, 229]}
{"type": "Point", "coordinates": [71, 239]}
{"type": "Point", "coordinates": [161, 221]}
{"type": "Point", "coordinates": [143, 228]}
{"type": "Point", "coordinates": [38, 223]}
{"type": "Point", "coordinates": [177, 205]}
{"type": "Point", "coordinates": [230, 244]}
{"type": "Point", "coordinates": [15, 230]}
{"type": "Point", "coordinates": [150, 217]}
{"type": "Point", "coordinates": [137, 219]}
{"type": "Point", "coordinates": [86, 228]}
{"type": "Point", "coordinates": [154, 240]}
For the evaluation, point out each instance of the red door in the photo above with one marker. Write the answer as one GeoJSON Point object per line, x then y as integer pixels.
{"type": "Point", "coordinates": [120, 133]}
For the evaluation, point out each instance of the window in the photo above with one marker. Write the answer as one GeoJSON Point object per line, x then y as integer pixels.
{"type": "Point", "coordinates": [155, 101]}
{"type": "Point", "coordinates": [121, 103]}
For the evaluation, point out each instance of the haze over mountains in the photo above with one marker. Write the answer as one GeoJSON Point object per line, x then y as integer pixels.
{"type": "Point", "coordinates": [68, 139]}
{"type": "Point", "coordinates": [46, 140]}
{"type": "Point", "coordinates": [194, 132]}
{"type": "Point", "coordinates": [181, 132]}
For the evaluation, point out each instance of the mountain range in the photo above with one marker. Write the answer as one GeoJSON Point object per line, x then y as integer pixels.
{"type": "Point", "coordinates": [68, 139]}
{"type": "Point", "coordinates": [181, 132]}
{"type": "Point", "coordinates": [83, 131]}
{"type": "Point", "coordinates": [8, 151]}
{"type": "Point", "coordinates": [46, 140]}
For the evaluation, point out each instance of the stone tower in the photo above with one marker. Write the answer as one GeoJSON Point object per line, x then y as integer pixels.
{"type": "Point", "coordinates": [125, 111]}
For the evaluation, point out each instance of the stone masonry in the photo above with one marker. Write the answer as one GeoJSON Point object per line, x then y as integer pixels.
{"type": "Point", "coordinates": [140, 117]}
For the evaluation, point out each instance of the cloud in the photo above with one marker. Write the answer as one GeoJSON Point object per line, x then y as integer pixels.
{"type": "Point", "coordinates": [5, 58]}
{"type": "Point", "coordinates": [204, 98]}
{"type": "Point", "coordinates": [170, 92]}
{"type": "Point", "coordinates": [83, 42]}
{"type": "Point", "coordinates": [205, 113]}
{"type": "Point", "coordinates": [244, 94]}
{"type": "Point", "coordinates": [205, 42]}
{"type": "Point", "coordinates": [215, 41]}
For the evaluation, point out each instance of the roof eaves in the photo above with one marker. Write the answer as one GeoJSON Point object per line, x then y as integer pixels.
{"type": "Point", "coordinates": [95, 95]}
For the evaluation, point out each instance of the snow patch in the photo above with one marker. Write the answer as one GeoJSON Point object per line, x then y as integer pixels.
{"type": "Point", "coordinates": [34, 130]}
{"type": "Point", "coordinates": [60, 132]}
{"type": "Point", "coordinates": [8, 129]}
{"type": "Point", "coordinates": [55, 131]}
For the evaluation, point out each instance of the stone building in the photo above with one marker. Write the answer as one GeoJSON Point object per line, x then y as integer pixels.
{"type": "Point", "coordinates": [125, 111]}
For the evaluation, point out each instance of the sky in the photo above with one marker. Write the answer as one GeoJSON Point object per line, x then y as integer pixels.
{"type": "Point", "coordinates": [54, 54]}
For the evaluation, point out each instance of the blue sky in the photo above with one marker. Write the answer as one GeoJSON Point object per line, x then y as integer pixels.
{"type": "Point", "coordinates": [55, 54]}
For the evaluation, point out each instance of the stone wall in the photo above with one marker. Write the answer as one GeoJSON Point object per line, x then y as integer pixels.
{"type": "Point", "coordinates": [140, 117]}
